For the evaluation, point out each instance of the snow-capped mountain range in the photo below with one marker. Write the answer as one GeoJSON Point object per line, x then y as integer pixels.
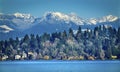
{"type": "Point", "coordinates": [19, 23]}
{"type": "Point", "coordinates": [67, 18]}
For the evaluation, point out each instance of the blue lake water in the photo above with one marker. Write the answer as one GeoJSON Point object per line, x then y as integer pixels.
{"type": "Point", "coordinates": [60, 66]}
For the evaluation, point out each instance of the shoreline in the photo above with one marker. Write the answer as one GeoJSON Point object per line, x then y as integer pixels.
{"type": "Point", "coordinates": [61, 61]}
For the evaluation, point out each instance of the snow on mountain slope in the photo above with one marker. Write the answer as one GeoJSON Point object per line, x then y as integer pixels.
{"type": "Point", "coordinates": [92, 21]}
{"type": "Point", "coordinates": [67, 18]}
{"type": "Point", "coordinates": [25, 21]}
{"type": "Point", "coordinates": [108, 18]}
{"type": "Point", "coordinates": [5, 29]}
{"type": "Point", "coordinates": [61, 17]}
{"type": "Point", "coordinates": [18, 20]}
{"type": "Point", "coordinates": [18, 24]}
{"type": "Point", "coordinates": [27, 16]}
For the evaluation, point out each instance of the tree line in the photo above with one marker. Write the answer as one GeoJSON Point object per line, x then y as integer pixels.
{"type": "Point", "coordinates": [101, 43]}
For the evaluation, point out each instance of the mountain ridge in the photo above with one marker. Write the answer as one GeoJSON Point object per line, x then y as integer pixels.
{"type": "Point", "coordinates": [50, 22]}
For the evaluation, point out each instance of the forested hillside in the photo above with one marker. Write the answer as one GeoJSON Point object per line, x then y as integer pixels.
{"type": "Point", "coordinates": [102, 43]}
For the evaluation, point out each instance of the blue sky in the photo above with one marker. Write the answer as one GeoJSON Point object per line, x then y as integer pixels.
{"type": "Point", "coordinates": [83, 8]}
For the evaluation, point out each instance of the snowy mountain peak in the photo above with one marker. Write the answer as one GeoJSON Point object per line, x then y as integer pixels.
{"type": "Point", "coordinates": [27, 16]}
{"type": "Point", "coordinates": [67, 18]}
{"type": "Point", "coordinates": [23, 21]}
{"type": "Point", "coordinates": [72, 17]}
{"type": "Point", "coordinates": [109, 18]}
{"type": "Point", "coordinates": [57, 15]}
{"type": "Point", "coordinates": [93, 21]}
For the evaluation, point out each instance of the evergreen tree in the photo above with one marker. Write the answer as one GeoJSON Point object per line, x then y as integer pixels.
{"type": "Point", "coordinates": [118, 35]}
{"type": "Point", "coordinates": [64, 35]}
{"type": "Point", "coordinates": [71, 35]}
{"type": "Point", "coordinates": [78, 35]}
{"type": "Point", "coordinates": [26, 39]}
